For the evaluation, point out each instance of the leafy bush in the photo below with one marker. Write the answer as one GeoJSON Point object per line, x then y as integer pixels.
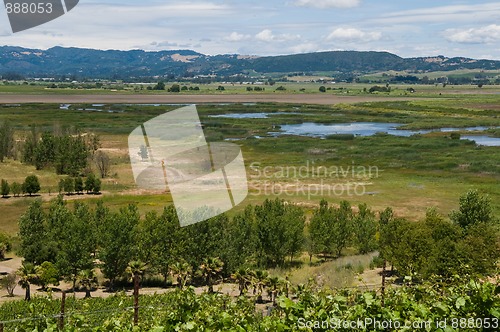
{"type": "Point", "coordinates": [5, 245]}
{"type": "Point", "coordinates": [341, 137]}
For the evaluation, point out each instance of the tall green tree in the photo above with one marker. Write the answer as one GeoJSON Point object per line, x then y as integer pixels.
{"type": "Point", "coordinates": [4, 188]}
{"type": "Point", "coordinates": [118, 242]}
{"type": "Point", "coordinates": [447, 257]}
{"type": "Point", "coordinates": [342, 227]}
{"type": "Point", "coordinates": [75, 242]}
{"type": "Point", "coordinates": [240, 241]}
{"type": "Point", "coordinates": [158, 240]}
{"type": "Point", "coordinates": [44, 151]}
{"type": "Point", "coordinates": [30, 146]}
{"type": "Point", "coordinates": [295, 222]}
{"type": "Point", "coordinates": [31, 185]}
{"type": "Point", "coordinates": [412, 248]}
{"type": "Point", "coordinates": [320, 229]}
{"type": "Point", "coordinates": [365, 229]}
{"type": "Point", "coordinates": [35, 245]}
{"type": "Point", "coordinates": [79, 185]}
{"type": "Point", "coordinates": [203, 240]}
{"type": "Point", "coordinates": [16, 189]}
{"type": "Point", "coordinates": [474, 209]}
{"type": "Point", "coordinates": [6, 141]}
{"type": "Point", "coordinates": [274, 240]}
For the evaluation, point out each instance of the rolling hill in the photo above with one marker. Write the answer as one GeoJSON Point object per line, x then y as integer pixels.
{"type": "Point", "coordinates": [90, 63]}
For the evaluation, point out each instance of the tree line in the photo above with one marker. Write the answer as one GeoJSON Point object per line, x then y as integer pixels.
{"type": "Point", "coordinates": [30, 186]}
{"type": "Point", "coordinates": [74, 239]}
{"type": "Point", "coordinates": [69, 186]}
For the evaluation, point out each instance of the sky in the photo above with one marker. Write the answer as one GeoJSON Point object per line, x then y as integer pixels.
{"type": "Point", "coordinates": [264, 27]}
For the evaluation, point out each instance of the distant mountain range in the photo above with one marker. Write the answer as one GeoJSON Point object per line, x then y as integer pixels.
{"type": "Point", "coordinates": [90, 63]}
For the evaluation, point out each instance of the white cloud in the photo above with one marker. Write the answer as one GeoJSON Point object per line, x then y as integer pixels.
{"type": "Point", "coordinates": [236, 37]}
{"type": "Point", "coordinates": [328, 3]}
{"type": "Point", "coordinates": [267, 36]}
{"type": "Point", "coordinates": [482, 35]}
{"type": "Point", "coordinates": [304, 48]}
{"type": "Point", "coordinates": [353, 35]}
{"type": "Point", "coordinates": [444, 14]}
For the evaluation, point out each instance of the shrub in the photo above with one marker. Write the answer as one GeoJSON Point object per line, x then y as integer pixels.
{"type": "Point", "coordinates": [5, 245]}
{"type": "Point", "coordinates": [341, 137]}
{"type": "Point", "coordinates": [9, 282]}
{"type": "Point", "coordinates": [175, 88]}
{"type": "Point", "coordinates": [377, 88]}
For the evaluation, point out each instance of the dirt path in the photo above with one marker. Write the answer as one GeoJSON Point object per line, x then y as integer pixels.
{"type": "Point", "coordinates": [320, 99]}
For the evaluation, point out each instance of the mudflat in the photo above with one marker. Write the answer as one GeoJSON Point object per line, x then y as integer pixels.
{"type": "Point", "coordinates": [319, 99]}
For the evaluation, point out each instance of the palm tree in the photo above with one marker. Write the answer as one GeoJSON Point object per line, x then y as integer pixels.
{"type": "Point", "coordinates": [259, 280]}
{"type": "Point", "coordinates": [272, 286]}
{"type": "Point", "coordinates": [136, 270]}
{"type": "Point", "coordinates": [88, 280]}
{"type": "Point", "coordinates": [27, 274]}
{"type": "Point", "coordinates": [210, 269]}
{"type": "Point", "coordinates": [243, 278]}
{"type": "Point", "coordinates": [284, 286]}
{"type": "Point", "coordinates": [183, 271]}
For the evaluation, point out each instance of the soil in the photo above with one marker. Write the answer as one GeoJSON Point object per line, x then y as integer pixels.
{"type": "Point", "coordinates": [320, 99]}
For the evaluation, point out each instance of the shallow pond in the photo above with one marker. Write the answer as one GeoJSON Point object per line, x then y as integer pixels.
{"type": "Point", "coordinates": [251, 115]}
{"type": "Point", "coordinates": [371, 128]}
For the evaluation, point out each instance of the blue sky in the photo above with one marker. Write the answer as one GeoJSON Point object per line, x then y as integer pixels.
{"type": "Point", "coordinates": [257, 27]}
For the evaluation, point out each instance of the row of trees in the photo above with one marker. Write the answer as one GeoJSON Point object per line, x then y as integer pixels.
{"type": "Point", "coordinates": [70, 186]}
{"type": "Point", "coordinates": [72, 239]}
{"type": "Point", "coordinates": [81, 238]}
{"type": "Point", "coordinates": [174, 88]}
{"type": "Point", "coordinates": [30, 186]}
